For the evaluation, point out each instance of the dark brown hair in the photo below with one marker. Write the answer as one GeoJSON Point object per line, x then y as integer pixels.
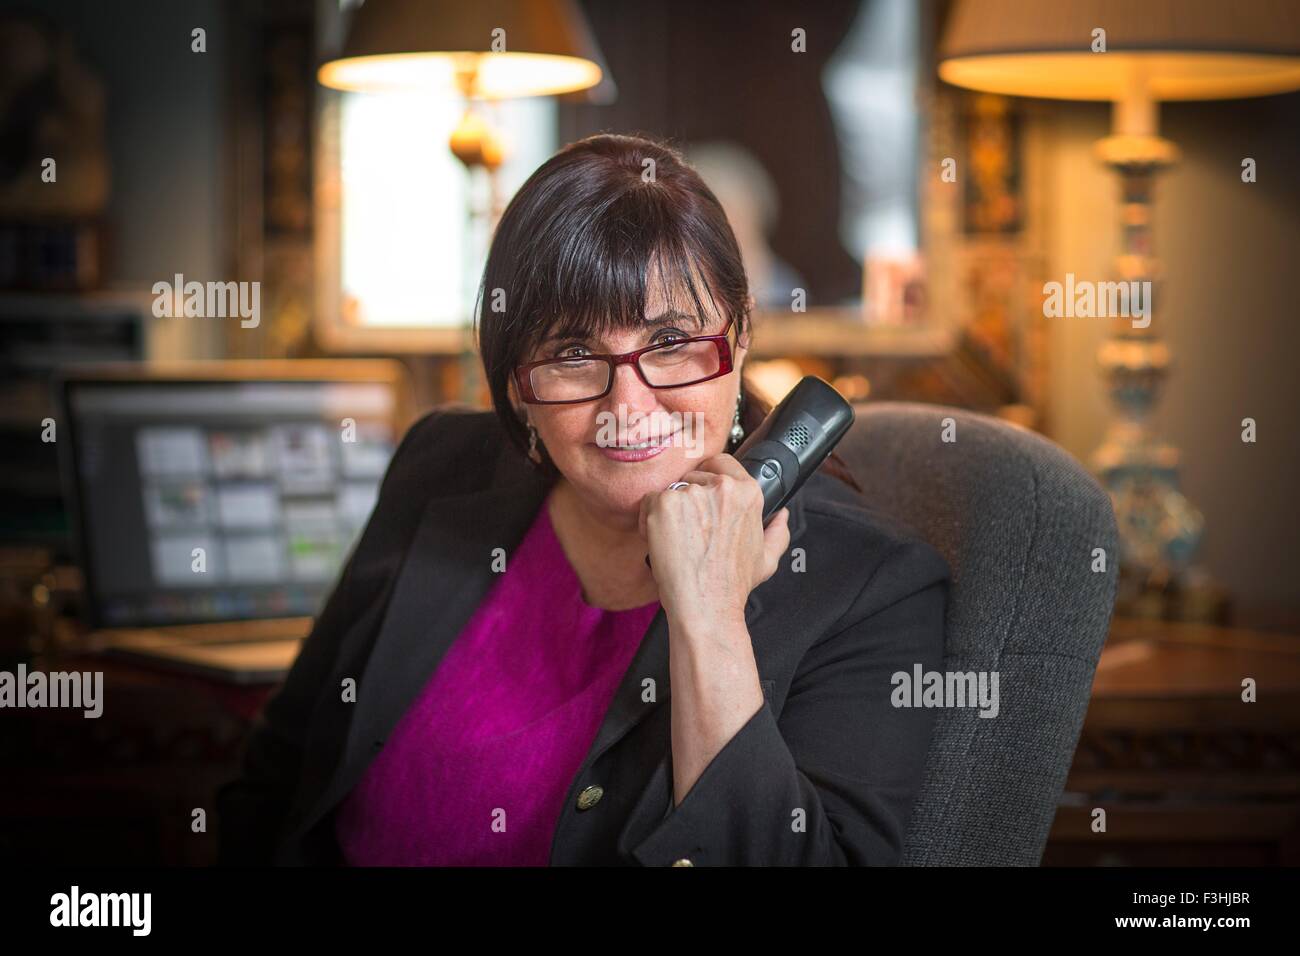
{"type": "Point", "coordinates": [574, 249]}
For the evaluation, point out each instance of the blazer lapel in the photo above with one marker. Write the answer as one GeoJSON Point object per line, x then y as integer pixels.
{"type": "Point", "coordinates": [446, 575]}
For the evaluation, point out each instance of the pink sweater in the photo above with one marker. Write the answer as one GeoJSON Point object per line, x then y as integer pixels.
{"type": "Point", "coordinates": [475, 773]}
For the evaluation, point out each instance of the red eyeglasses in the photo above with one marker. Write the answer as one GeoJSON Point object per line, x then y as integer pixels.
{"type": "Point", "coordinates": [584, 378]}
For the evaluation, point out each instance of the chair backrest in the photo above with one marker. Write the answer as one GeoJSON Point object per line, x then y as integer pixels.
{"type": "Point", "coordinates": [1019, 521]}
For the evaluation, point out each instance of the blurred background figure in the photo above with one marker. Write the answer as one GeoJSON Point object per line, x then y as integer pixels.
{"type": "Point", "coordinates": [750, 199]}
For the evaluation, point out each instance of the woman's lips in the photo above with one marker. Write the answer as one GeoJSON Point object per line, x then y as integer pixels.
{"type": "Point", "coordinates": [619, 453]}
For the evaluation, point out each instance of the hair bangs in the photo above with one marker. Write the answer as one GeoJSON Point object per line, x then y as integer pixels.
{"type": "Point", "coordinates": [606, 276]}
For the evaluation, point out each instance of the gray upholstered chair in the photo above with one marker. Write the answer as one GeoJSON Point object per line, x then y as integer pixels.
{"type": "Point", "coordinates": [1018, 520]}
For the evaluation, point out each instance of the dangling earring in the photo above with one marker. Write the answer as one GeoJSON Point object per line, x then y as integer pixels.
{"type": "Point", "coordinates": [737, 432]}
{"type": "Point", "coordinates": [534, 455]}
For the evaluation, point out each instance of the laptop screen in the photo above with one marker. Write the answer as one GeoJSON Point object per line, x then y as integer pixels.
{"type": "Point", "coordinates": [222, 500]}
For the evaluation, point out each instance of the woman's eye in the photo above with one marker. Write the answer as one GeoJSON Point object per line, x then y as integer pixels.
{"type": "Point", "coordinates": [572, 351]}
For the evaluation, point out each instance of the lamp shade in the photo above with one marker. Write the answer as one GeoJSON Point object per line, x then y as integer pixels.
{"type": "Point", "coordinates": [1173, 49]}
{"type": "Point", "coordinates": [510, 48]}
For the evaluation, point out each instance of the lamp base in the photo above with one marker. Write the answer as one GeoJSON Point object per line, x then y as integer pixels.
{"type": "Point", "coordinates": [1159, 529]}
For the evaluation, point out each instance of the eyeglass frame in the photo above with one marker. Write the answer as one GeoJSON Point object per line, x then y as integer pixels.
{"type": "Point", "coordinates": [523, 376]}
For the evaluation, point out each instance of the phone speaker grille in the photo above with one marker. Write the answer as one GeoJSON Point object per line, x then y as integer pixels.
{"type": "Point", "coordinates": [797, 435]}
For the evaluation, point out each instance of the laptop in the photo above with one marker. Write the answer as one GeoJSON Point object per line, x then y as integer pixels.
{"type": "Point", "coordinates": [215, 503]}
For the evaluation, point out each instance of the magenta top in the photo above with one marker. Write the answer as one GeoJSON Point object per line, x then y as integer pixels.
{"type": "Point", "coordinates": [476, 771]}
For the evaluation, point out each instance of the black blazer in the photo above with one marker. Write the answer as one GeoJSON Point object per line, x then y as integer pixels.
{"type": "Point", "coordinates": [824, 773]}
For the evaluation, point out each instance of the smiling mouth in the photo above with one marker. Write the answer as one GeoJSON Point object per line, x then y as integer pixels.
{"type": "Point", "coordinates": [639, 446]}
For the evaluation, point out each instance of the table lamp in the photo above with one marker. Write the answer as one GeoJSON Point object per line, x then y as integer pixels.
{"type": "Point", "coordinates": [1133, 54]}
{"type": "Point", "coordinates": [480, 50]}
{"type": "Point", "coordinates": [485, 50]}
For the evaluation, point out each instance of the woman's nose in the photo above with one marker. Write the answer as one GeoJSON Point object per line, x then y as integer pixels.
{"type": "Point", "coordinates": [628, 390]}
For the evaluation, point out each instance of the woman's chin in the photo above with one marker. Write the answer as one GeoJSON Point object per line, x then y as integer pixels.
{"type": "Point", "coordinates": [624, 483]}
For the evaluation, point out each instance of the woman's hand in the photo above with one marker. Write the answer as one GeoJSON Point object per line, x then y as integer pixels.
{"type": "Point", "coordinates": [708, 547]}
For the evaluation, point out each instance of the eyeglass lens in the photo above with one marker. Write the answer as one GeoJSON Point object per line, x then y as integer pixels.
{"type": "Point", "coordinates": [575, 379]}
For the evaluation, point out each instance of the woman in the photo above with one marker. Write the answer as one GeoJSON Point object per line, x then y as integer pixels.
{"type": "Point", "coordinates": [565, 636]}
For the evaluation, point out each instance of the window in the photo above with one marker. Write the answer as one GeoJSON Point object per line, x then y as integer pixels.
{"type": "Point", "coordinates": [403, 224]}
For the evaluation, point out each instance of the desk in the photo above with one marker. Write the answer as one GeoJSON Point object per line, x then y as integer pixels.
{"type": "Point", "coordinates": [1187, 772]}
